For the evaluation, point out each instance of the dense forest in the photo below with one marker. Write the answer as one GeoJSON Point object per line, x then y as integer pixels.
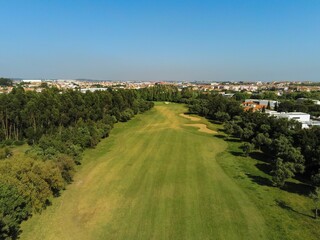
{"type": "Point", "coordinates": [59, 126]}
{"type": "Point", "coordinates": [285, 96]}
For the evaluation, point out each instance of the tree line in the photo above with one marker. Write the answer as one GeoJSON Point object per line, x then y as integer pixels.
{"type": "Point", "coordinates": [59, 126]}
{"type": "Point", "coordinates": [169, 93]}
{"type": "Point", "coordinates": [272, 95]}
{"type": "Point", "coordinates": [306, 106]}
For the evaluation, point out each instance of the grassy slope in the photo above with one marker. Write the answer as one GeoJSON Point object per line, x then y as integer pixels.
{"type": "Point", "coordinates": [154, 178]}
{"type": "Point", "coordinates": [288, 213]}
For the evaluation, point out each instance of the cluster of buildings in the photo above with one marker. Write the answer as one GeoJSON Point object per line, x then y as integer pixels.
{"type": "Point", "coordinates": [259, 104]}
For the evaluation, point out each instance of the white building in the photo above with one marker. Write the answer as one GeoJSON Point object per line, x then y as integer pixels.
{"type": "Point", "coordinates": [227, 95]}
{"type": "Point", "coordinates": [314, 123]}
{"type": "Point", "coordinates": [303, 118]}
{"type": "Point", "coordinates": [83, 90]}
{"type": "Point", "coordinates": [31, 81]}
{"type": "Point", "coordinates": [298, 116]}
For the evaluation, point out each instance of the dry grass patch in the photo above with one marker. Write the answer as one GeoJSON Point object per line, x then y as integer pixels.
{"type": "Point", "coordinates": [202, 127]}
{"type": "Point", "coordinates": [195, 119]}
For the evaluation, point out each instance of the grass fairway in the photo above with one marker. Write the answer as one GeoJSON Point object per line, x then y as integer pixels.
{"type": "Point", "coordinates": [157, 178]}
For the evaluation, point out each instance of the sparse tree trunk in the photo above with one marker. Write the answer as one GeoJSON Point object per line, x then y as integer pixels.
{"type": "Point", "coordinates": [14, 135]}
{"type": "Point", "coordinates": [10, 132]}
{"type": "Point", "coordinates": [17, 133]}
{"type": "Point", "coordinates": [7, 130]}
{"type": "Point", "coordinates": [4, 128]}
{"type": "Point", "coordinates": [34, 124]}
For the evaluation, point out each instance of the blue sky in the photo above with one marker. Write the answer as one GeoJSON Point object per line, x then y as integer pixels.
{"type": "Point", "coordinates": [161, 40]}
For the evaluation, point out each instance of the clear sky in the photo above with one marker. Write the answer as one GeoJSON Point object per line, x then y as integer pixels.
{"type": "Point", "coordinates": [161, 39]}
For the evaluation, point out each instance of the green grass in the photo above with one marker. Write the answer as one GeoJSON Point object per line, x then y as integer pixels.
{"type": "Point", "coordinates": [155, 178]}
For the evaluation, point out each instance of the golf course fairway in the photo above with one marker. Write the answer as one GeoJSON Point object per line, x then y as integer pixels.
{"type": "Point", "coordinates": [155, 177]}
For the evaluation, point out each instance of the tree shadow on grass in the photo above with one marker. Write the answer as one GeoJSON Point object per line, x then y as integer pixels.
{"type": "Point", "coordinates": [237, 154]}
{"type": "Point", "coordinates": [233, 140]}
{"type": "Point", "coordinates": [298, 188]}
{"type": "Point", "coordinates": [220, 136]}
{"type": "Point", "coordinates": [291, 187]}
{"type": "Point", "coordinates": [260, 180]}
{"type": "Point", "coordinates": [260, 156]}
{"type": "Point", "coordinates": [264, 167]}
{"type": "Point", "coordinates": [285, 206]}
{"type": "Point", "coordinates": [220, 128]}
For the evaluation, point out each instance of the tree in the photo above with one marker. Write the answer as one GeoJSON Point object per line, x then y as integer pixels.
{"type": "Point", "coordinates": [261, 140]}
{"type": "Point", "coordinates": [247, 148]}
{"type": "Point", "coordinates": [126, 115]}
{"type": "Point", "coordinates": [269, 95]}
{"type": "Point", "coordinates": [281, 172]}
{"type": "Point", "coordinates": [283, 149]}
{"type": "Point", "coordinates": [247, 133]}
{"type": "Point", "coordinates": [38, 180]}
{"type": "Point", "coordinates": [315, 196]}
{"type": "Point", "coordinates": [222, 116]}
{"type": "Point", "coordinates": [5, 82]}
{"type": "Point", "coordinates": [241, 96]}
{"type": "Point", "coordinates": [228, 128]}
{"type": "Point", "coordinates": [268, 106]}
{"type": "Point", "coordinates": [265, 128]}
{"type": "Point", "coordinates": [13, 210]}
{"type": "Point", "coordinates": [289, 161]}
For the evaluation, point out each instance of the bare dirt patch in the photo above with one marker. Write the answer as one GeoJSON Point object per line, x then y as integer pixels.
{"type": "Point", "coordinates": [190, 117]}
{"type": "Point", "coordinates": [202, 127]}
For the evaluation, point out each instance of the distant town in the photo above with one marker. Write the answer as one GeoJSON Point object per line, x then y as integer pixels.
{"type": "Point", "coordinates": [222, 87]}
